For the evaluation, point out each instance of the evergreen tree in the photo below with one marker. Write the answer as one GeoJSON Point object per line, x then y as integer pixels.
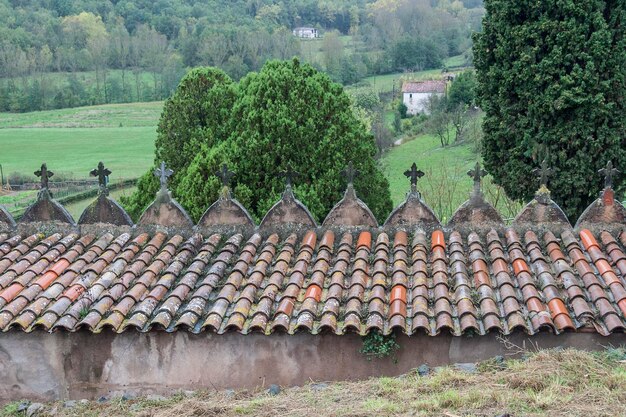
{"type": "Point", "coordinates": [552, 82]}
{"type": "Point", "coordinates": [289, 115]}
{"type": "Point", "coordinates": [196, 116]}
{"type": "Point", "coordinates": [463, 90]}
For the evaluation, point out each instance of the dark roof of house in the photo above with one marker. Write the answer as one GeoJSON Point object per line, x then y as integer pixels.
{"type": "Point", "coordinates": [430, 86]}
{"type": "Point", "coordinates": [471, 276]}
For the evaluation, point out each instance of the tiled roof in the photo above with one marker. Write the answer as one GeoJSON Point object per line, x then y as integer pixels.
{"type": "Point", "coordinates": [413, 274]}
{"type": "Point", "coordinates": [429, 86]}
{"type": "Point", "coordinates": [318, 281]}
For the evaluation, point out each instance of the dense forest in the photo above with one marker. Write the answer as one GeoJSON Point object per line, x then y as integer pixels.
{"type": "Point", "coordinates": [65, 53]}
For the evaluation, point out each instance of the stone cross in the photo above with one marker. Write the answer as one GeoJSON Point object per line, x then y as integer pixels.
{"type": "Point", "coordinates": [225, 175]}
{"type": "Point", "coordinates": [45, 176]}
{"type": "Point", "coordinates": [350, 173]}
{"type": "Point", "coordinates": [413, 174]}
{"type": "Point", "coordinates": [102, 173]}
{"type": "Point", "coordinates": [609, 172]}
{"type": "Point", "coordinates": [163, 173]}
{"type": "Point", "coordinates": [477, 174]}
{"type": "Point", "coordinates": [543, 173]}
{"type": "Point", "coordinates": [289, 175]}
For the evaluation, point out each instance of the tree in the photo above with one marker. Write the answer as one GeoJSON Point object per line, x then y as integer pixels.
{"type": "Point", "coordinates": [366, 98]}
{"type": "Point", "coordinates": [463, 89]}
{"type": "Point", "coordinates": [260, 128]}
{"type": "Point", "coordinates": [79, 29]}
{"type": "Point", "coordinates": [332, 54]}
{"type": "Point", "coordinates": [551, 80]}
{"type": "Point", "coordinates": [439, 118]}
{"type": "Point", "coordinates": [416, 54]}
{"type": "Point", "coordinates": [98, 47]}
{"type": "Point", "coordinates": [402, 110]}
{"type": "Point", "coordinates": [213, 49]}
{"type": "Point", "coordinates": [382, 134]}
{"type": "Point", "coordinates": [121, 49]}
{"type": "Point", "coordinates": [459, 118]}
{"type": "Point", "coordinates": [276, 127]}
{"type": "Point", "coordinates": [197, 116]}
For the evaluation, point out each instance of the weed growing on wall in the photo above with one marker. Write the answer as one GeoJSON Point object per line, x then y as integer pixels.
{"type": "Point", "coordinates": [377, 345]}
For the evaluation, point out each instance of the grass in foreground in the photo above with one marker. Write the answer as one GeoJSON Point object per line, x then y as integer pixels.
{"type": "Point", "coordinates": [548, 383]}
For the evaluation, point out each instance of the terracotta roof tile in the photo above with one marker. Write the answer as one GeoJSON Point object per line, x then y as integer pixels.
{"type": "Point", "coordinates": [441, 282]}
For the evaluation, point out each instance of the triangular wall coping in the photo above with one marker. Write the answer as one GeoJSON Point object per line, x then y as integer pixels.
{"type": "Point", "coordinates": [105, 210]}
{"type": "Point", "coordinates": [165, 211]}
{"type": "Point", "coordinates": [288, 210]}
{"type": "Point", "coordinates": [45, 209]}
{"type": "Point", "coordinates": [350, 211]}
{"type": "Point", "coordinates": [412, 212]}
{"type": "Point", "coordinates": [542, 211]}
{"type": "Point", "coordinates": [476, 212]}
{"type": "Point", "coordinates": [226, 211]}
{"type": "Point", "coordinates": [605, 210]}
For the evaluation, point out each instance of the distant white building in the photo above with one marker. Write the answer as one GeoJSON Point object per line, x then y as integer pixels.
{"type": "Point", "coordinates": [415, 94]}
{"type": "Point", "coordinates": [307, 33]}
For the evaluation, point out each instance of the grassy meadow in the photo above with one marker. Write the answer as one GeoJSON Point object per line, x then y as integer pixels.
{"type": "Point", "coordinates": [385, 83]}
{"type": "Point", "coordinates": [72, 141]}
{"type": "Point", "coordinates": [105, 115]}
{"type": "Point", "coordinates": [445, 185]}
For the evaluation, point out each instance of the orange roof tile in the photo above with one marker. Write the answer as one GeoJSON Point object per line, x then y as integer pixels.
{"type": "Point", "coordinates": [355, 281]}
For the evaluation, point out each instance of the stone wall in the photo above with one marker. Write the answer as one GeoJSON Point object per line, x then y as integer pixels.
{"type": "Point", "coordinates": [62, 365]}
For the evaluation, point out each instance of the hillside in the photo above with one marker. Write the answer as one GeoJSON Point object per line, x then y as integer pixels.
{"type": "Point", "coordinates": [72, 141]}
{"type": "Point", "coordinates": [70, 53]}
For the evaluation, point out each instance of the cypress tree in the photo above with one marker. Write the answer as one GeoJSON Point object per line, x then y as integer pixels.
{"type": "Point", "coordinates": [290, 115]}
{"type": "Point", "coordinates": [551, 78]}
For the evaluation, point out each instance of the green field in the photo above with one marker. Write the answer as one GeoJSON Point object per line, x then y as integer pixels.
{"type": "Point", "coordinates": [442, 166]}
{"type": "Point", "coordinates": [72, 141]}
{"type": "Point", "coordinates": [106, 115]}
{"type": "Point", "coordinates": [385, 83]}
{"type": "Point", "coordinates": [127, 152]}
{"type": "Point", "coordinates": [445, 185]}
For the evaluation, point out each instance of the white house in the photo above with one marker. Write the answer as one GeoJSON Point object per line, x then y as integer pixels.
{"type": "Point", "coordinates": [308, 33]}
{"type": "Point", "coordinates": [415, 94]}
